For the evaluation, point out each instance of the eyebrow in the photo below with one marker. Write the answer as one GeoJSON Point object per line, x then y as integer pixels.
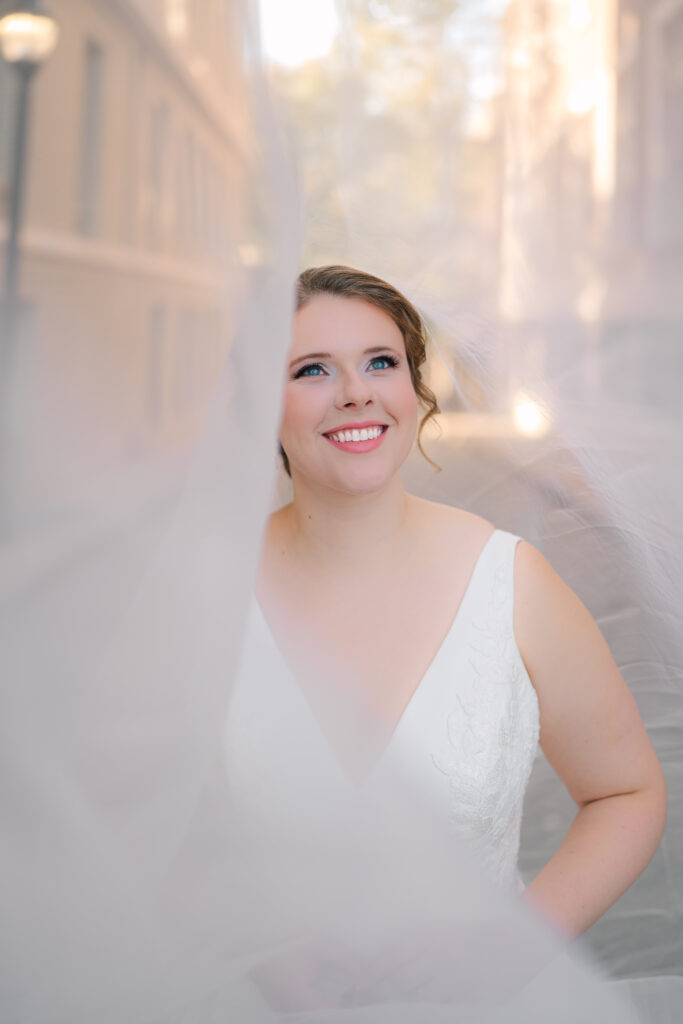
{"type": "Point", "coordinates": [328, 355]}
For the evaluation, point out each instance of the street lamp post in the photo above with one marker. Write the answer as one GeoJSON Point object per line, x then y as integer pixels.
{"type": "Point", "coordinates": [28, 35]}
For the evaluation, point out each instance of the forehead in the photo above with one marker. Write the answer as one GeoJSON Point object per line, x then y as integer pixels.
{"type": "Point", "coordinates": [334, 324]}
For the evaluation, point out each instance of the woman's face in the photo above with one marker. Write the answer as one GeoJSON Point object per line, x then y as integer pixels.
{"type": "Point", "coordinates": [350, 409]}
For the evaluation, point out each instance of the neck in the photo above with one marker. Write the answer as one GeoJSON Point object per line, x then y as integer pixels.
{"type": "Point", "coordinates": [345, 529]}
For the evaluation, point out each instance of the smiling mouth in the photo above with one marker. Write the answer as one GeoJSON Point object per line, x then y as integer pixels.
{"type": "Point", "coordinates": [362, 439]}
{"type": "Point", "coordinates": [357, 434]}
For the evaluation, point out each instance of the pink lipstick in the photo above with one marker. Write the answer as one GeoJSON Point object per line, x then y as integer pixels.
{"type": "Point", "coordinates": [357, 437]}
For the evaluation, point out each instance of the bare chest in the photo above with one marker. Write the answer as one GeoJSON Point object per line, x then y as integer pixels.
{"type": "Point", "coordinates": [360, 639]}
{"type": "Point", "coordinates": [372, 644]}
{"type": "Point", "coordinates": [358, 658]}
{"type": "Point", "coordinates": [359, 649]}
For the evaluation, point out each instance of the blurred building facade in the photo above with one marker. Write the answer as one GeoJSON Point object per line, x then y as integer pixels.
{"type": "Point", "coordinates": [130, 218]}
{"type": "Point", "coordinates": [568, 196]}
{"type": "Point", "coordinates": [646, 251]}
{"type": "Point", "coordinates": [559, 115]}
{"type": "Point", "coordinates": [594, 178]}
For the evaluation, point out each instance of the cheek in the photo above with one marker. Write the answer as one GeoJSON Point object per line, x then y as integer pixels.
{"type": "Point", "coordinates": [407, 402]}
{"type": "Point", "coordinates": [302, 407]}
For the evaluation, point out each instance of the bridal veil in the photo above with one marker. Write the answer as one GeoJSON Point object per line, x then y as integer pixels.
{"type": "Point", "coordinates": [515, 169]}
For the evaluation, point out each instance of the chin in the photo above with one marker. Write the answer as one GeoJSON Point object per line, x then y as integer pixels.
{"type": "Point", "coordinates": [356, 474]}
{"type": "Point", "coordinates": [363, 483]}
{"type": "Point", "coordinates": [363, 479]}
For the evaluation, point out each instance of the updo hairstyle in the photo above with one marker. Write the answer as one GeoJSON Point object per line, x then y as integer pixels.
{"type": "Point", "coordinates": [355, 284]}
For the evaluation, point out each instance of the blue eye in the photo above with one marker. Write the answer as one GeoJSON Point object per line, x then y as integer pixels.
{"type": "Point", "coordinates": [310, 370]}
{"type": "Point", "coordinates": [388, 361]}
{"type": "Point", "coordinates": [319, 370]}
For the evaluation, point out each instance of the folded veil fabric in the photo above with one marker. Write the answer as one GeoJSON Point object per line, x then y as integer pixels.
{"type": "Point", "coordinates": [133, 887]}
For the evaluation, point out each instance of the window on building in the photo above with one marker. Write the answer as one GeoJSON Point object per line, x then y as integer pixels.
{"type": "Point", "coordinates": [184, 360]}
{"type": "Point", "coordinates": [203, 201]}
{"type": "Point", "coordinates": [186, 190]}
{"type": "Point", "coordinates": [156, 358]}
{"type": "Point", "coordinates": [665, 150]}
{"type": "Point", "coordinates": [672, 125]}
{"type": "Point", "coordinates": [156, 173]}
{"type": "Point", "coordinates": [191, 183]}
{"type": "Point", "coordinates": [179, 211]}
{"type": "Point", "coordinates": [89, 182]}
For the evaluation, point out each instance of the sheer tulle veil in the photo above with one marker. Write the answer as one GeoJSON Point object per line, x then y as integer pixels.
{"type": "Point", "coordinates": [447, 148]}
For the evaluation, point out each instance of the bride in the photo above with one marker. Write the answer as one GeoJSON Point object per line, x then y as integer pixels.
{"type": "Point", "coordinates": [418, 633]}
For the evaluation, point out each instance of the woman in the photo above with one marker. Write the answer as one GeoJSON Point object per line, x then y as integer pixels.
{"type": "Point", "coordinates": [377, 604]}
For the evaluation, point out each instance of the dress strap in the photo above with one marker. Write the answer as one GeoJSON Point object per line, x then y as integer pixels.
{"type": "Point", "coordinates": [496, 585]}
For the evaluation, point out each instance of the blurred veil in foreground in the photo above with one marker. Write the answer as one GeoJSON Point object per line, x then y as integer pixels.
{"type": "Point", "coordinates": [516, 168]}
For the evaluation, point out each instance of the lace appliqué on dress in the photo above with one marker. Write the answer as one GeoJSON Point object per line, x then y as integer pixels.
{"type": "Point", "coordinates": [491, 734]}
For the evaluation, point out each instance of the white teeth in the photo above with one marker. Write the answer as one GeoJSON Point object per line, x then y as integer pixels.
{"type": "Point", "coordinates": [365, 434]}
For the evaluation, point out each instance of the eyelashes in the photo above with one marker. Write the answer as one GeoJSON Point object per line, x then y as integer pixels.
{"type": "Point", "coordinates": [303, 371]}
{"type": "Point", "coordinates": [390, 360]}
{"type": "Point", "coordinates": [318, 370]}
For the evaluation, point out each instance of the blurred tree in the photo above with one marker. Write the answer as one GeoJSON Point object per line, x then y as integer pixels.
{"type": "Point", "coordinates": [385, 134]}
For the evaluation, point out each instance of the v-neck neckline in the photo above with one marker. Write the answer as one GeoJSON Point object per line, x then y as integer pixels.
{"type": "Point", "coordinates": [415, 693]}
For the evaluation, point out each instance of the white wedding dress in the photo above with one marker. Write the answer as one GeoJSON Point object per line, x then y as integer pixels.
{"type": "Point", "coordinates": [144, 733]}
{"type": "Point", "coordinates": [464, 745]}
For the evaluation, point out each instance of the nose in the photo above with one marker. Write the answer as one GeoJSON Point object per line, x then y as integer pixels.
{"type": "Point", "coordinates": [354, 391]}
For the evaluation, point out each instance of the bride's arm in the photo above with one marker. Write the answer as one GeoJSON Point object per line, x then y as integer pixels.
{"type": "Point", "coordinates": [593, 736]}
